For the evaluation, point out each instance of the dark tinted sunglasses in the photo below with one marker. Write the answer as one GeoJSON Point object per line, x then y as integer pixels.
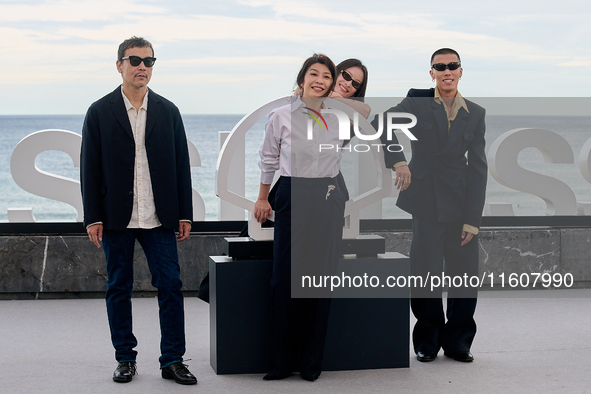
{"type": "Point", "coordinates": [348, 78]}
{"type": "Point", "coordinates": [136, 60]}
{"type": "Point", "coordinates": [452, 66]}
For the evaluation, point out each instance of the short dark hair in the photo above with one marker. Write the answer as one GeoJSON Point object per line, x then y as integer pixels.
{"type": "Point", "coordinates": [317, 58]}
{"type": "Point", "coordinates": [445, 51]}
{"type": "Point", "coordinates": [345, 64]}
{"type": "Point", "coordinates": [133, 42]}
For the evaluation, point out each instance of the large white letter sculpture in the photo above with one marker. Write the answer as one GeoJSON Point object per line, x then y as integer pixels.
{"type": "Point", "coordinates": [502, 159]}
{"type": "Point", "coordinates": [584, 207]}
{"type": "Point", "coordinates": [41, 183]}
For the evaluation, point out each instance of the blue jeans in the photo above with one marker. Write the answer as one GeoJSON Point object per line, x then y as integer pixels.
{"type": "Point", "coordinates": [160, 248]}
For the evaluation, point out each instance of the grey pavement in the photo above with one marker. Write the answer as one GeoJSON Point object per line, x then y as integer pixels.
{"type": "Point", "coordinates": [527, 341]}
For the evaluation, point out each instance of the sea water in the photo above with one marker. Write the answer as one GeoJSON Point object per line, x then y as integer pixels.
{"type": "Point", "coordinates": [202, 131]}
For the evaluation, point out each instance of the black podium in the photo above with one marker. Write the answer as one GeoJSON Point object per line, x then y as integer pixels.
{"type": "Point", "coordinates": [363, 333]}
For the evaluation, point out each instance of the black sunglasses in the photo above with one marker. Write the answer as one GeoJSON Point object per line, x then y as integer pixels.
{"type": "Point", "coordinates": [136, 60]}
{"type": "Point", "coordinates": [348, 78]}
{"type": "Point", "coordinates": [452, 66]}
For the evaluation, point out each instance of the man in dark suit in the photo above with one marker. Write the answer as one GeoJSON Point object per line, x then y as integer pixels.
{"type": "Point", "coordinates": [445, 198]}
{"type": "Point", "coordinates": [136, 184]}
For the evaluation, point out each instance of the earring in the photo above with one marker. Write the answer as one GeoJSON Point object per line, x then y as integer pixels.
{"type": "Point", "coordinates": [433, 80]}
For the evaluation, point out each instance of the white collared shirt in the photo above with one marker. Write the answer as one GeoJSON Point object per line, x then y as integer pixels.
{"type": "Point", "coordinates": [286, 147]}
{"type": "Point", "coordinates": [143, 214]}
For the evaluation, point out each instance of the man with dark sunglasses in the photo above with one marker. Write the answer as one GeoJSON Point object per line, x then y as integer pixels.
{"type": "Point", "coordinates": [445, 199]}
{"type": "Point", "coordinates": [136, 185]}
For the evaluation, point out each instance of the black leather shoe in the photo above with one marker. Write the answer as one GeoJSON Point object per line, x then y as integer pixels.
{"type": "Point", "coordinates": [180, 374]}
{"type": "Point", "coordinates": [426, 357]}
{"type": "Point", "coordinates": [124, 372]}
{"type": "Point", "coordinates": [310, 377]}
{"type": "Point", "coordinates": [276, 376]}
{"type": "Point", "coordinates": [465, 357]}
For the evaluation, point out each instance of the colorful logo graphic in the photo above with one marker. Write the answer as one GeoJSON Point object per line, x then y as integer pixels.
{"type": "Point", "coordinates": [316, 117]}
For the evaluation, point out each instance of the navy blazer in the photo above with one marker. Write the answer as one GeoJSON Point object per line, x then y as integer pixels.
{"type": "Point", "coordinates": [446, 186]}
{"type": "Point", "coordinates": [107, 162]}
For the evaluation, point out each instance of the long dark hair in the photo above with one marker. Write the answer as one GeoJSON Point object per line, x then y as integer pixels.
{"type": "Point", "coordinates": [345, 64]}
{"type": "Point", "coordinates": [317, 58]}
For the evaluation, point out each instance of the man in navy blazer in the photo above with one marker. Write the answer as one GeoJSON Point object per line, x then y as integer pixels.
{"type": "Point", "coordinates": [445, 198]}
{"type": "Point", "coordinates": [136, 184]}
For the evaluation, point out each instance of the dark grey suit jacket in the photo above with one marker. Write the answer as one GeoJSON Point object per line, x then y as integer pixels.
{"type": "Point", "coordinates": [446, 186]}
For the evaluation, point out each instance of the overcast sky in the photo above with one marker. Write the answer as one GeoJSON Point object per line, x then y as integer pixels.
{"type": "Point", "coordinates": [57, 57]}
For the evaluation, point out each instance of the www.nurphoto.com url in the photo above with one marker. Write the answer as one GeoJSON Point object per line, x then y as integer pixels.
{"type": "Point", "coordinates": [503, 280]}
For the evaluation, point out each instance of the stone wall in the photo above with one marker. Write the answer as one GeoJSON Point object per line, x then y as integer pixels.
{"type": "Point", "coordinates": [524, 250]}
{"type": "Point", "coordinates": [71, 266]}
{"type": "Point", "coordinates": [34, 266]}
